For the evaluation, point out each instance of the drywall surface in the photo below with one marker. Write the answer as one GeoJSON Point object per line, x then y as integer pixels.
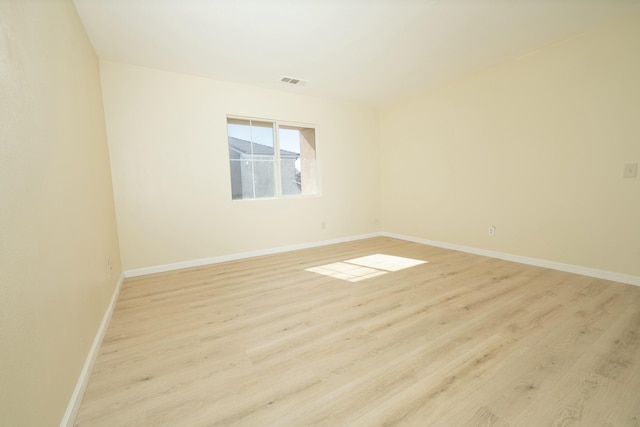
{"type": "Point", "coordinates": [57, 218]}
{"type": "Point", "coordinates": [170, 164]}
{"type": "Point", "coordinates": [535, 147]}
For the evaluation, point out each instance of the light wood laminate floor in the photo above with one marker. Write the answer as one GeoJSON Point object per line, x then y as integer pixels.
{"type": "Point", "coordinates": [461, 340]}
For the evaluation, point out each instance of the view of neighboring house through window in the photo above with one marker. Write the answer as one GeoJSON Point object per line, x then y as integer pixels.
{"type": "Point", "coordinates": [268, 159]}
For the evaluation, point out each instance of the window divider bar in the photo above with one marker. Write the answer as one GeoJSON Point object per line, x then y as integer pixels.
{"type": "Point", "coordinates": [277, 169]}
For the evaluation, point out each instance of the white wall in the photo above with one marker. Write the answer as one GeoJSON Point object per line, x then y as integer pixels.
{"type": "Point", "coordinates": [535, 147]}
{"type": "Point", "coordinates": [57, 221]}
{"type": "Point", "coordinates": [170, 165]}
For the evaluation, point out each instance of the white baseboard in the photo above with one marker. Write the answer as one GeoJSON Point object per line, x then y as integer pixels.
{"type": "Point", "coordinates": [569, 268]}
{"type": "Point", "coordinates": [76, 398]}
{"type": "Point", "coordinates": [585, 271]}
{"type": "Point", "coordinates": [242, 255]}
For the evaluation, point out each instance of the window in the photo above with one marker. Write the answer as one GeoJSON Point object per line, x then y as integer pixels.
{"type": "Point", "coordinates": [269, 159]}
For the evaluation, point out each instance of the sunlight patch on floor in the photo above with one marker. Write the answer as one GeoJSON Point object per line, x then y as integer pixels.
{"type": "Point", "coordinates": [357, 269]}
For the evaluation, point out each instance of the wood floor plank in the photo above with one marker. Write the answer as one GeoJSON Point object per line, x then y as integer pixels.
{"type": "Point", "coordinates": [459, 340]}
{"type": "Point", "coordinates": [526, 379]}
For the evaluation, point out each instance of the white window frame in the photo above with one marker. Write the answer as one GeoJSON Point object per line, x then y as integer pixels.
{"type": "Point", "coordinates": [277, 161]}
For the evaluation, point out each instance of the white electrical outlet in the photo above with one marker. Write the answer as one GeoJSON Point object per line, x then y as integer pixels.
{"type": "Point", "coordinates": [492, 230]}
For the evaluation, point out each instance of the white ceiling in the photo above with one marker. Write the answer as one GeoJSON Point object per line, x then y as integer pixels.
{"type": "Point", "coordinates": [368, 51]}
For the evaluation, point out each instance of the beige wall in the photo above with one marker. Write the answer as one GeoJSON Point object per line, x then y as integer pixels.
{"type": "Point", "coordinates": [535, 147]}
{"type": "Point", "coordinates": [57, 226]}
{"type": "Point", "coordinates": [170, 165]}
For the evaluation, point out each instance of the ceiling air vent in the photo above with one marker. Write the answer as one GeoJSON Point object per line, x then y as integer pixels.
{"type": "Point", "coordinates": [292, 81]}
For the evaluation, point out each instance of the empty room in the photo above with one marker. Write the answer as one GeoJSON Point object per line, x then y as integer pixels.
{"type": "Point", "coordinates": [319, 213]}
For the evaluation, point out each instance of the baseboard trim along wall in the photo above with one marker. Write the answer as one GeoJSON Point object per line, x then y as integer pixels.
{"type": "Point", "coordinates": [76, 398]}
{"type": "Point", "coordinates": [242, 255]}
{"type": "Point", "coordinates": [569, 268]}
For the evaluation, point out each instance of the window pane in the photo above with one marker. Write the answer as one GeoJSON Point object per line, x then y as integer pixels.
{"type": "Point", "coordinates": [241, 179]}
{"type": "Point", "coordinates": [297, 160]}
{"type": "Point", "coordinates": [239, 135]}
{"type": "Point", "coordinates": [264, 179]}
{"type": "Point", "coordinates": [290, 177]}
{"type": "Point", "coordinates": [262, 138]}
